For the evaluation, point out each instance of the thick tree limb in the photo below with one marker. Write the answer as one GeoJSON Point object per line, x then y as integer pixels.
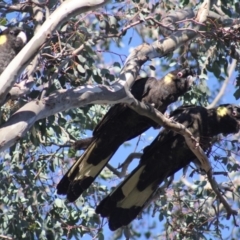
{"type": "Point", "coordinates": [21, 89]}
{"type": "Point", "coordinates": [22, 120]}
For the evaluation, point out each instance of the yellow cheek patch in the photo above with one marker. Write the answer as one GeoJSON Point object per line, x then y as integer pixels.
{"type": "Point", "coordinates": [168, 78]}
{"type": "Point", "coordinates": [3, 39]}
{"type": "Point", "coordinates": [222, 111]}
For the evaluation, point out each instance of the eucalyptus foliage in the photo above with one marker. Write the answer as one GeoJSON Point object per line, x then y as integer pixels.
{"type": "Point", "coordinates": [91, 49]}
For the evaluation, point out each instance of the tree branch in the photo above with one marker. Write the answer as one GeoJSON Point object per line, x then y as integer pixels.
{"type": "Point", "coordinates": [21, 7]}
{"type": "Point", "coordinates": [214, 185]}
{"type": "Point", "coordinates": [124, 165]}
{"type": "Point", "coordinates": [224, 86]}
{"type": "Point", "coordinates": [5, 237]}
{"type": "Point", "coordinates": [22, 120]}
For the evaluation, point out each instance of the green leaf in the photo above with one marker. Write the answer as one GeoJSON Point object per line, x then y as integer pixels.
{"type": "Point", "coordinates": [59, 203]}
{"type": "Point", "coordinates": [161, 217]}
{"type": "Point", "coordinates": [80, 68]}
{"type": "Point", "coordinates": [216, 68]}
{"type": "Point", "coordinates": [237, 94]}
{"type": "Point", "coordinates": [100, 236]}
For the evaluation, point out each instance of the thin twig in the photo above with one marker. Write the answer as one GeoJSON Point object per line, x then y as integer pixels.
{"type": "Point", "coordinates": [124, 165]}
{"type": "Point", "coordinates": [230, 211]}
{"type": "Point", "coordinates": [5, 237]}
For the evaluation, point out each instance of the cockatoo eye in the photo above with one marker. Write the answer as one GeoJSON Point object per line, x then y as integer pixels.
{"type": "Point", "coordinates": [180, 74]}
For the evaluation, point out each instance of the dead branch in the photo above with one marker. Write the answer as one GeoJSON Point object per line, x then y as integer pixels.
{"type": "Point", "coordinates": [124, 165]}
{"type": "Point", "coordinates": [224, 85]}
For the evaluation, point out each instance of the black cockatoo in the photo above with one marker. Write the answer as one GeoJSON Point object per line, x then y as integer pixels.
{"type": "Point", "coordinates": [167, 154]}
{"type": "Point", "coordinates": [121, 124]}
{"type": "Point", "coordinates": [12, 40]}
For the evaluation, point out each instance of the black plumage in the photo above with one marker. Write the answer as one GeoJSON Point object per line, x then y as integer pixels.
{"type": "Point", "coordinates": [12, 41]}
{"type": "Point", "coordinates": [119, 125]}
{"type": "Point", "coordinates": [167, 154]}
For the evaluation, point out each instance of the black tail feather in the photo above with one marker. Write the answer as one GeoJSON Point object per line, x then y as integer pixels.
{"type": "Point", "coordinates": [77, 187]}
{"type": "Point", "coordinates": [106, 206]}
{"type": "Point", "coordinates": [62, 187]}
{"type": "Point", "coordinates": [122, 217]}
